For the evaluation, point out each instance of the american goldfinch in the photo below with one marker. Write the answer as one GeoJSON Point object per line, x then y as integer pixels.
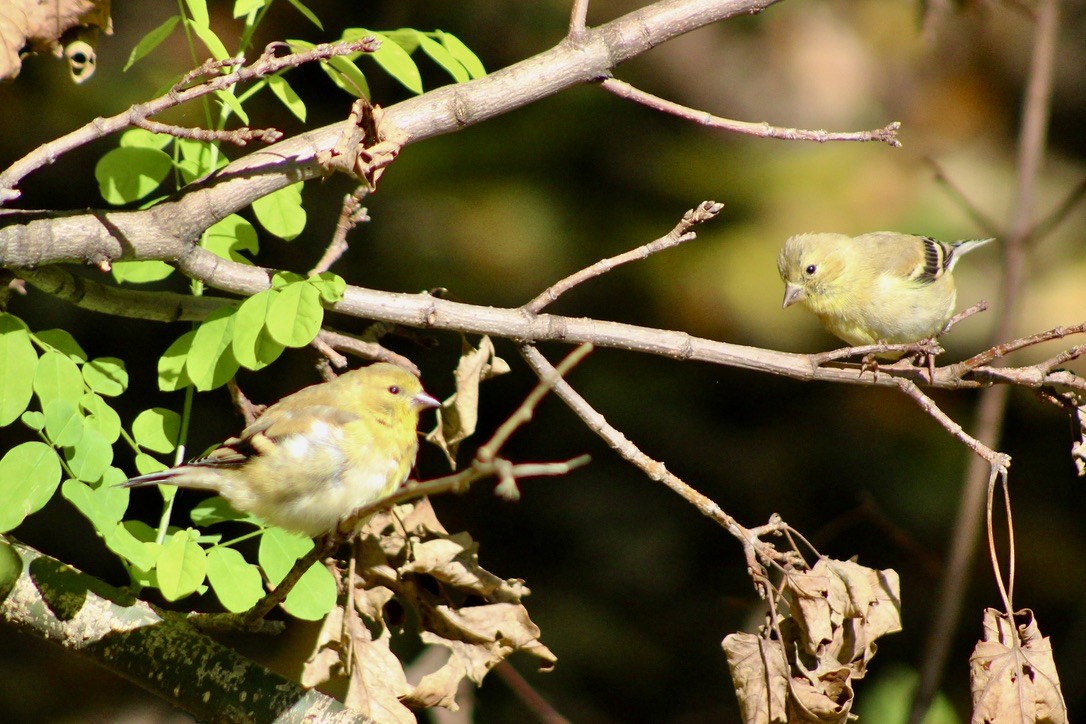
{"type": "Point", "coordinates": [882, 287]}
{"type": "Point", "coordinates": [316, 456]}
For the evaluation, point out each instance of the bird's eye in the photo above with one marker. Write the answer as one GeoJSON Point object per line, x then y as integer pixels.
{"type": "Point", "coordinates": [811, 269]}
{"type": "Point", "coordinates": [394, 390]}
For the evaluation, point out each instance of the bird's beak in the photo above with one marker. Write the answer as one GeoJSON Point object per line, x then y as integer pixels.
{"type": "Point", "coordinates": [792, 294]}
{"type": "Point", "coordinates": [424, 400]}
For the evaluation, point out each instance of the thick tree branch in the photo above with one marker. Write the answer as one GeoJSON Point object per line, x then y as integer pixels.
{"type": "Point", "coordinates": [53, 602]}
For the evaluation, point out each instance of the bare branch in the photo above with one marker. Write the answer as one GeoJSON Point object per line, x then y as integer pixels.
{"type": "Point", "coordinates": [577, 18]}
{"type": "Point", "coordinates": [351, 214]}
{"type": "Point", "coordinates": [887, 134]}
{"type": "Point", "coordinates": [236, 136]}
{"type": "Point", "coordinates": [704, 212]}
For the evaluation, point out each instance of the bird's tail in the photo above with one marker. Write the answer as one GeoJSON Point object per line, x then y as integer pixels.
{"type": "Point", "coordinates": [185, 476]}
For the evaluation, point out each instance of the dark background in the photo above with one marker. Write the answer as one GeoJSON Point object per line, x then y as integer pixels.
{"type": "Point", "coordinates": [632, 588]}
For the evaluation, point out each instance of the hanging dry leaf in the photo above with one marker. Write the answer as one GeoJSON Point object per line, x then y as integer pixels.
{"type": "Point", "coordinates": [759, 672]}
{"type": "Point", "coordinates": [458, 605]}
{"type": "Point", "coordinates": [1078, 445]}
{"type": "Point", "coordinates": [459, 414]}
{"type": "Point", "coordinates": [837, 611]}
{"type": "Point", "coordinates": [1012, 673]}
{"type": "Point", "coordinates": [38, 26]}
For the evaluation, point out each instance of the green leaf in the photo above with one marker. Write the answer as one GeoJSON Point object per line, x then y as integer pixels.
{"type": "Point", "coordinates": [244, 7]}
{"type": "Point", "coordinates": [171, 365]}
{"type": "Point", "coordinates": [406, 38]}
{"type": "Point", "coordinates": [216, 510]}
{"type": "Point", "coordinates": [157, 430]}
{"type": "Point", "coordinates": [102, 506]}
{"type": "Point", "coordinates": [29, 475]}
{"type": "Point", "coordinates": [33, 419]}
{"type": "Point", "coordinates": [281, 212]}
{"type": "Point", "coordinates": [440, 55]}
{"type": "Point", "coordinates": [348, 76]}
{"type": "Point", "coordinates": [309, 14]}
{"type": "Point", "coordinates": [287, 96]}
{"type": "Point", "coordinates": [397, 62]}
{"type": "Point", "coordinates": [63, 423]}
{"type": "Point", "coordinates": [133, 541]}
{"type": "Point", "coordinates": [89, 459]}
{"type": "Point", "coordinates": [229, 237]}
{"type": "Point", "coordinates": [295, 315]}
{"type": "Point", "coordinates": [253, 347]}
{"type": "Point", "coordinates": [62, 341]}
{"type": "Point", "coordinates": [331, 286]}
{"type": "Point", "coordinates": [145, 465]}
{"type": "Point", "coordinates": [210, 39]}
{"type": "Point", "coordinates": [281, 279]}
{"type": "Point", "coordinates": [198, 159]}
{"type": "Point", "coordinates": [236, 583]}
{"type": "Point", "coordinates": [151, 40]}
{"type": "Point", "coordinates": [210, 363]}
{"type": "Point", "coordinates": [278, 550]}
{"type": "Point", "coordinates": [57, 377]}
{"type": "Point", "coordinates": [198, 11]}
{"type": "Point", "coordinates": [228, 99]}
{"type": "Point", "coordinates": [181, 566]}
{"type": "Point", "coordinates": [125, 175]}
{"type": "Point", "coordinates": [140, 272]}
{"type": "Point", "coordinates": [313, 596]}
{"type": "Point", "coordinates": [106, 376]}
{"type": "Point", "coordinates": [141, 138]}
{"type": "Point", "coordinates": [101, 417]}
{"type": "Point", "coordinates": [462, 53]}
{"type": "Point", "coordinates": [18, 368]}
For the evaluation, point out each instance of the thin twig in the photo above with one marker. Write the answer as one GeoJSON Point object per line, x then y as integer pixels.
{"type": "Point", "coordinates": [577, 18]}
{"type": "Point", "coordinates": [351, 214]}
{"type": "Point", "coordinates": [1006, 592]}
{"type": "Point", "coordinates": [989, 225]}
{"type": "Point", "coordinates": [757, 551]}
{"type": "Point", "coordinates": [999, 351]}
{"type": "Point", "coordinates": [543, 710]}
{"type": "Point", "coordinates": [992, 405]}
{"type": "Point", "coordinates": [236, 136]}
{"type": "Point", "coordinates": [705, 211]}
{"type": "Point", "coordinates": [928, 405]}
{"type": "Point", "coordinates": [887, 134]}
{"type": "Point", "coordinates": [181, 93]}
{"type": "Point", "coordinates": [1046, 225]}
{"type": "Point", "coordinates": [330, 343]}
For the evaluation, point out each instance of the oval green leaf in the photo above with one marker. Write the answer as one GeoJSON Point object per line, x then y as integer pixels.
{"type": "Point", "coordinates": [18, 367]}
{"type": "Point", "coordinates": [89, 459]}
{"type": "Point", "coordinates": [63, 422]}
{"type": "Point", "coordinates": [125, 175]}
{"type": "Point", "coordinates": [236, 583]}
{"type": "Point", "coordinates": [106, 376]}
{"type": "Point", "coordinates": [281, 212]}
{"type": "Point", "coordinates": [29, 475]}
{"type": "Point", "coordinates": [210, 363]}
{"type": "Point", "coordinates": [181, 566]}
{"type": "Point", "coordinates": [157, 430]}
{"type": "Point", "coordinates": [295, 315]}
{"type": "Point", "coordinates": [57, 377]}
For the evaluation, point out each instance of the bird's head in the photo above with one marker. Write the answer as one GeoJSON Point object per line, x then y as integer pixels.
{"type": "Point", "coordinates": [810, 265]}
{"type": "Point", "coordinates": [391, 391]}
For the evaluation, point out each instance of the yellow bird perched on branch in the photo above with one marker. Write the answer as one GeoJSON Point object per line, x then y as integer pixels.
{"type": "Point", "coordinates": [881, 287]}
{"type": "Point", "coordinates": [318, 455]}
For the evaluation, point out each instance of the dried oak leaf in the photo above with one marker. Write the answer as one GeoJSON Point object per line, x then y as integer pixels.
{"type": "Point", "coordinates": [840, 608]}
{"type": "Point", "coordinates": [823, 697]}
{"type": "Point", "coordinates": [459, 414]}
{"type": "Point", "coordinates": [38, 26]}
{"type": "Point", "coordinates": [458, 605]}
{"type": "Point", "coordinates": [759, 671]}
{"type": "Point", "coordinates": [1012, 673]}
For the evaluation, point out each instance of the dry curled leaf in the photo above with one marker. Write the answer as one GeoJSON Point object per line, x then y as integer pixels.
{"type": "Point", "coordinates": [837, 611]}
{"type": "Point", "coordinates": [759, 671]}
{"type": "Point", "coordinates": [38, 26]}
{"type": "Point", "coordinates": [1012, 673]}
{"type": "Point", "coordinates": [458, 605]}
{"type": "Point", "coordinates": [459, 414]}
{"type": "Point", "coordinates": [1078, 445]}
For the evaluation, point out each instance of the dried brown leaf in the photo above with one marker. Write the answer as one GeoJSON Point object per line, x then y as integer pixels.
{"type": "Point", "coordinates": [39, 26]}
{"type": "Point", "coordinates": [826, 697]}
{"type": "Point", "coordinates": [454, 560]}
{"type": "Point", "coordinates": [459, 414]}
{"type": "Point", "coordinates": [1078, 445]}
{"type": "Point", "coordinates": [377, 679]}
{"type": "Point", "coordinates": [326, 660]}
{"type": "Point", "coordinates": [1012, 673]}
{"type": "Point", "coordinates": [759, 672]}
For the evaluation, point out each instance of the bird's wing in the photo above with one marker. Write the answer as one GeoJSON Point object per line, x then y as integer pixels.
{"type": "Point", "coordinates": [271, 428]}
